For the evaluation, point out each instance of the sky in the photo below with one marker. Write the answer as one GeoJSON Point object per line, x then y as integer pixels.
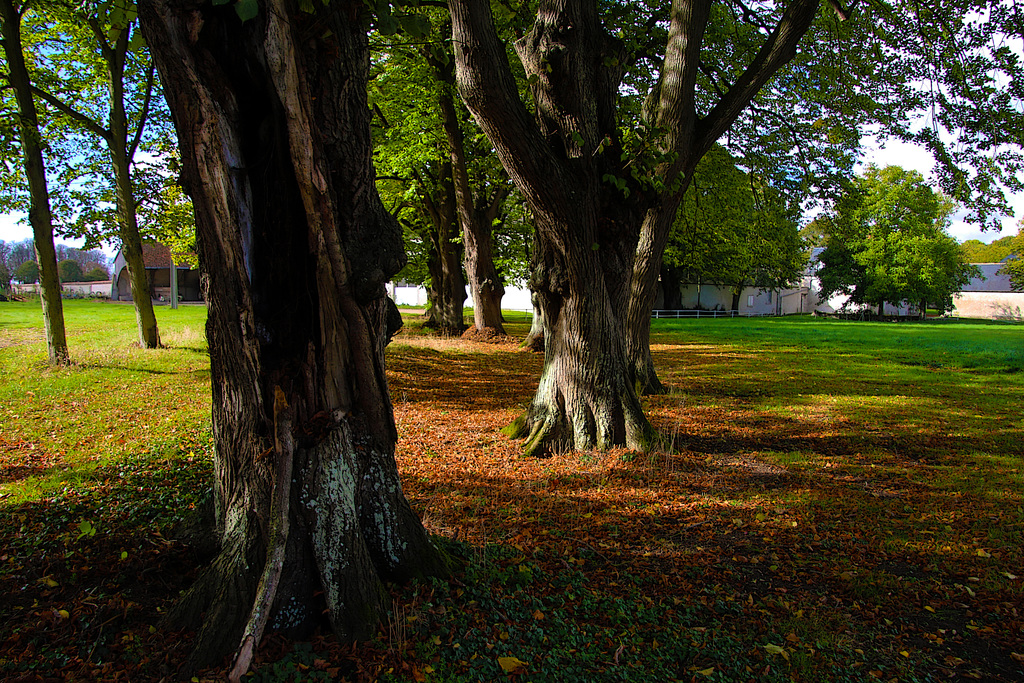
{"type": "Point", "coordinates": [897, 153]}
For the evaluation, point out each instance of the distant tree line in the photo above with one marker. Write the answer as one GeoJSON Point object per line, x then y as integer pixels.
{"type": "Point", "coordinates": [18, 264]}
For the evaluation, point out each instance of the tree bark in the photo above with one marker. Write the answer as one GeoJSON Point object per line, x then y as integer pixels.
{"type": "Point", "coordinates": [585, 237]}
{"type": "Point", "coordinates": [447, 291]}
{"type": "Point", "coordinates": [35, 171]}
{"type": "Point", "coordinates": [273, 127]}
{"type": "Point", "coordinates": [121, 153]}
{"type": "Point", "coordinates": [476, 221]}
{"type": "Point", "coordinates": [534, 340]}
{"type": "Point", "coordinates": [687, 139]}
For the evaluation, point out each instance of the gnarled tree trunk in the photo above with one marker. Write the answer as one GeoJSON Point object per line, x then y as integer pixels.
{"type": "Point", "coordinates": [585, 238]}
{"type": "Point", "coordinates": [568, 163]}
{"type": "Point", "coordinates": [273, 127]}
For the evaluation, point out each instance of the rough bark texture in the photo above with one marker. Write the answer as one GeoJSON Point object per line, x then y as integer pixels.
{"type": "Point", "coordinates": [273, 126]}
{"type": "Point", "coordinates": [585, 240]}
{"type": "Point", "coordinates": [560, 160]}
{"type": "Point", "coordinates": [35, 170]}
{"type": "Point", "coordinates": [447, 291]}
{"type": "Point", "coordinates": [534, 340]}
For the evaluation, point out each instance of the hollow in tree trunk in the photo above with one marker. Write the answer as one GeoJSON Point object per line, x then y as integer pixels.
{"type": "Point", "coordinates": [273, 128]}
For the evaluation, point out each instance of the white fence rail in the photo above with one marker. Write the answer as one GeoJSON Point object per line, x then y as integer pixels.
{"type": "Point", "coordinates": [695, 313]}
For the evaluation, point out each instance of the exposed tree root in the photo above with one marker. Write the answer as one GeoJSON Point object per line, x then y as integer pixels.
{"type": "Point", "coordinates": [271, 576]}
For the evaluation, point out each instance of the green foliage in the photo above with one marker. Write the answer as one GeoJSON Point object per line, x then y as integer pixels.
{"type": "Point", "coordinates": [976, 251]}
{"type": "Point", "coordinates": [97, 274]}
{"type": "Point", "coordinates": [73, 53]}
{"type": "Point", "coordinates": [733, 230]}
{"type": "Point", "coordinates": [170, 220]}
{"type": "Point", "coordinates": [414, 161]}
{"type": "Point", "coordinates": [887, 242]}
{"type": "Point", "coordinates": [5, 277]}
{"type": "Point", "coordinates": [69, 271]}
{"type": "Point", "coordinates": [27, 272]}
{"type": "Point", "coordinates": [1014, 267]}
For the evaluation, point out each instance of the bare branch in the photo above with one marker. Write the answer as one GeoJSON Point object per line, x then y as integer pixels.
{"type": "Point", "coordinates": [90, 124]}
{"type": "Point", "coordinates": [150, 80]}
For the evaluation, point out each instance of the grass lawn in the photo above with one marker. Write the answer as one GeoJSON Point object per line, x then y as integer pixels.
{"type": "Point", "coordinates": [832, 501]}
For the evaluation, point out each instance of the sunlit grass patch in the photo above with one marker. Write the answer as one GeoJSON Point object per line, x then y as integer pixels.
{"type": "Point", "coordinates": [828, 501]}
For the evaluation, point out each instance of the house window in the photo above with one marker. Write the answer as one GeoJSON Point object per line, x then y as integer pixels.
{"type": "Point", "coordinates": [769, 296]}
{"type": "Point", "coordinates": [750, 300]}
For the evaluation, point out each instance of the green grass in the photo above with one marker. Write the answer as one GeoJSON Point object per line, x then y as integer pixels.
{"type": "Point", "coordinates": [115, 399]}
{"type": "Point", "coordinates": [851, 493]}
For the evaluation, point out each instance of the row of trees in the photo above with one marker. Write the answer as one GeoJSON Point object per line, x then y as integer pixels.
{"type": "Point", "coordinates": [598, 114]}
{"type": "Point", "coordinates": [83, 148]}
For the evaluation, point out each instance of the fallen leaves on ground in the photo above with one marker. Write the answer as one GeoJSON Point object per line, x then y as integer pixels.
{"type": "Point", "coordinates": [754, 545]}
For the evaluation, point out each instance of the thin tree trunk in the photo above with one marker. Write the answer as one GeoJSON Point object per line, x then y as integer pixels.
{"type": "Point", "coordinates": [273, 127]}
{"type": "Point", "coordinates": [447, 284]}
{"type": "Point", "coordinates": [128, 227]}
{"type": "Point", "coordinates": [484, 285]}
{"type": "Point", "coordinates": [35, 171]}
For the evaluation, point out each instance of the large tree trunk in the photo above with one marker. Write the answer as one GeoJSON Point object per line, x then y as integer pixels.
{"type": "Point", "coordinates": [586, 397]}
{"type": "Point", "coordinates": [568, 163]}
{"type": "Point", "coordinates": [121, 150]}
{"type": "Point", "coordinates": [585, 235]}
{"type": "Point", "coordinates": [35, 170]}
{"type": "Point", "coordinates": [273, 127]}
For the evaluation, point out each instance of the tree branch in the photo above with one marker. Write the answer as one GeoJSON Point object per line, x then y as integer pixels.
{"type": "Point", "coordinates": [101, 39]}
{"type": "Point", "coordinates": [150, 73]}
{"type": "Point", "coordinates": [488, 87]}
{"type": "Point", "coordinates": [778, 50]}
{"type": "Point", "coordinates": [91, 125]}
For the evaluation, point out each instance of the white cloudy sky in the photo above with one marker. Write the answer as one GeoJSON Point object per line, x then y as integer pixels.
{"type": "Point", "coordinates": [894, 153]}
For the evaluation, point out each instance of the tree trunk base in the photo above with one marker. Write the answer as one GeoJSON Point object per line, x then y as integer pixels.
{"type": "Point", "coordinates": [533, 342]}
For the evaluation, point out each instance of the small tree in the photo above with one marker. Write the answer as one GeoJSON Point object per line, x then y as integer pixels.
{"type": "Point", "coordinates": [96, 274]}
{"type": "Point", "coordinates": [70, 271]}
{"type": "Point", "coordinates": [732, 230]}
{"type": "Point", "coordinates": [27, 273]}
{"type": "Point", "coordinates": [887, 242]}
{"type": "Point", "coordinates": [5, 277]}
{"type": "Point", "coordinates": [1014, 267]}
